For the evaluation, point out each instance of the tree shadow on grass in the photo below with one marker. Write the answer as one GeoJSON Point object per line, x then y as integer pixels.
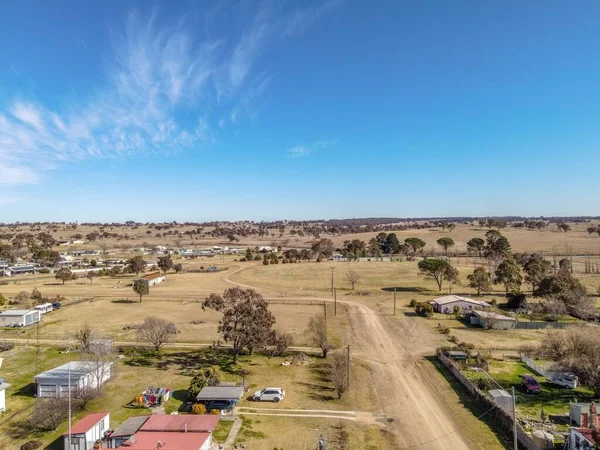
{"type": "Point", "coordinates": [187, 363]}
{"type": "Point", "coordinates": [471, 404]}
{"type": "Point", "coordinates": [124, 301]}
{"type": "Point", "coordinates": [53, 284]}
{"type": "Point", "coordinates": [319, 389]}
{"type": "Point", "coordinates": [403, 289]}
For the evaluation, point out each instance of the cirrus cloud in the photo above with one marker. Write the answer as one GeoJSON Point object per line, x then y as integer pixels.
{"type": "Point", "coordinates": [166, 89]}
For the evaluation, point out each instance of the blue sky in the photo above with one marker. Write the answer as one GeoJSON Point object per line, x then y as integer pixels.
{"type": "Point", "coordinates": [224, 110]}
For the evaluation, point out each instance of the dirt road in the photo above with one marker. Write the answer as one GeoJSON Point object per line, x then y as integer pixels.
{"type": "Point", "coordinates": [395, 347]}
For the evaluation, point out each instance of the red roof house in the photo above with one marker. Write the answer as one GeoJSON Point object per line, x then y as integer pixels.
{"type": "Point", "coordinates": [152, 440]}
{"type": "Point", "coordinates": [87, 431]}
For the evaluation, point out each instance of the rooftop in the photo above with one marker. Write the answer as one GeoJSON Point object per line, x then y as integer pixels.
{"type": "Point", "coordinates": [152, 276]}
{"type": "Point", "coordinates": [588, 433]}
{"type": "Point", "coordinates": [161, 422]}
{"type": "Point", "coordinates": [85, 424]}
{"type": "Point", "coordinates": [130, 426]}
{"type": "Point", "coordinates": [457, 298]}
{"type": "Point", "coordinates": [221, 393]}
{"type": "Point", "coordinates": [148, 440]}
{"type": "Point", "coordinates": [16, 312]}
{"type": "Point", "coordinates": [493, 315]}
{"type": "Point", "coordinates": [77, 369]}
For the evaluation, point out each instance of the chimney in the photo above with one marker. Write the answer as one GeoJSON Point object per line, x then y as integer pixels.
{"type": "Point", "coordinates": [593, 419]}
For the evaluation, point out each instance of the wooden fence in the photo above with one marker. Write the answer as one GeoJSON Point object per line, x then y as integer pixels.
{"type": "Point", "coordinates": [503, 419]}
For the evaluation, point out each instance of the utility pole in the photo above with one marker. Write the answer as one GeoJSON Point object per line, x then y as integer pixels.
{"type": "Point", "coordinates": [394, 301]}
{"type": "Point", "coordinates": [69, 371]}
{"type": "Point", "coordinates": [332, 269]}
{"type": "Point", "coordinates": [335, 301]}
{"type": "Point", "coordinates": [348, 370]}
{"type": "Point", "coordinates": [515, 442]}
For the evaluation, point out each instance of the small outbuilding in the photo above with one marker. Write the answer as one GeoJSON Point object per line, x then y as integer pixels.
{"type": "Point", "coordinates": [78, 374]}
{"type": "Point", "coordinates": [503, 399]}
{"type": "Point", "coordinates": [492, 320]}
{"type": "Point", "coordinates": [447, 303]}
{"type": "Point", "coordinates": [86, 432]}
{"type": "Point", "coordinates": [220, 397]}
{"type": "Point", "coordinates": [19, 317]}
{"type": "Point", "coordinates": [153, 278]}
{"type": "Point", "coordinates": [3, 386]}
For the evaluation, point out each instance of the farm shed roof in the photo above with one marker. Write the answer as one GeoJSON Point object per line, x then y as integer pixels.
{"type": "Point", "coordinates": [16, 312]}
{"type": "Point", "coordinates": [493, 315]}
{"type": "Point", "coordinates": [221, 393]}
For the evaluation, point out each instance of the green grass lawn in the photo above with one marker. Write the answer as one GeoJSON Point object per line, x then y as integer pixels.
{"type": "Point", "coordinates": [553, 399]}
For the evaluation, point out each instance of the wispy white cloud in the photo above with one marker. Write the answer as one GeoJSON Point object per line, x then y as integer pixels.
{"type": "Point", "coordinates": [166, 89]}
{"type": "Point", "coordinates": [301, 151]}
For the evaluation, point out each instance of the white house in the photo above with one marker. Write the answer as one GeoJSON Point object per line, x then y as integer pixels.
{"type": "Point", "coordinates": [79, 374]}
{"type": "Point", "coordinates": [19, 317]}
{"type": "Point", "coordinates": [447, 303]}
{"type": "Point", "coordinates": [87, 431]}
{"type": "Point", "coordinates": [44, 308]}
{"type": "Point", "coordinates": [3, 386]}
{"type": "Point", "coordinates": [489, 319]}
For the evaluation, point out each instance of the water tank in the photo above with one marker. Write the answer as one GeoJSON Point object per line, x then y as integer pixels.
{"type": "Point", "coordinates": [543, 439]}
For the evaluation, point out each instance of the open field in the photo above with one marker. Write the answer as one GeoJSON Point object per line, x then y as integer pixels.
{"type": "Point", "coordinates": [109, 317]}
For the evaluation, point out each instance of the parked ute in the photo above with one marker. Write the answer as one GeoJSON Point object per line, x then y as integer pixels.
{"type": "Point", "coordinates": [270, 394]}
{"type": "Point", "coordinates": [56, 305]}
{"type": "Point", "coordinates": [530, 385]}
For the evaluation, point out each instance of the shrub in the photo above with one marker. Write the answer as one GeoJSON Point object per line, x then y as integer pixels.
{"type": "Point", "coordinates": [31, 445]}
{"type": "Point", "coordinates": [45, 270]}
{"type": "Point", "coordinates": [2, 300]}
{"type": "Point", "coordinates": [215, 412]}
{"type": "Point", "coordinates": [199, 409]}
{"type": "Point", "coordinates": [453, 339]}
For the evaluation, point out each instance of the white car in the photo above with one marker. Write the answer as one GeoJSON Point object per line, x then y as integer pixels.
{"type": "Point", "coordinates": [270, 394]}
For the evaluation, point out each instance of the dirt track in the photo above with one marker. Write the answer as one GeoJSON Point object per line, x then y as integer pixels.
{"type": "Point", "coordinates": [395, 347]}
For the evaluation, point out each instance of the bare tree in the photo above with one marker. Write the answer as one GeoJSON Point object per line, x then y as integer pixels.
{"type": "Point", "coordinates": [104, 247]}
{"type": "Point", "coordinates": [576, 350]}
{"type": "Point", "coordinates": [155, 331]}
{"type": "Point", "coordinates": [317, 328]}
{"type": "Point", "coordinates": [48, 414]}
{"type": "Point", "coordinates": [339, 372]}
{"type": "Point", "coordinates": [84, 336]}
{"type": "Point", "coordinates": [353, 277]}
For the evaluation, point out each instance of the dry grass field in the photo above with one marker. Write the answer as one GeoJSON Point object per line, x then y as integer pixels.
{"type": "Point", "coordinates": [114, 305]}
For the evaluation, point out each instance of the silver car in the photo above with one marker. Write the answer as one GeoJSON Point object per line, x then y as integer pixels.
{"type": "Point", "coordinates": [270, 394]}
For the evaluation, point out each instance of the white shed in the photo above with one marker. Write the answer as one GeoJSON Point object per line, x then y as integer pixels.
{"type": "Point", "coordinates": [79, 374]}
{"type": "Point", "coordinates": [87, 431]}
{"type": "Point", "coordinates": [19, 317]}
{"type": "Point", "coordinates": [3, 387]}
{"type": "Point", "coordinates": [503, 399]}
